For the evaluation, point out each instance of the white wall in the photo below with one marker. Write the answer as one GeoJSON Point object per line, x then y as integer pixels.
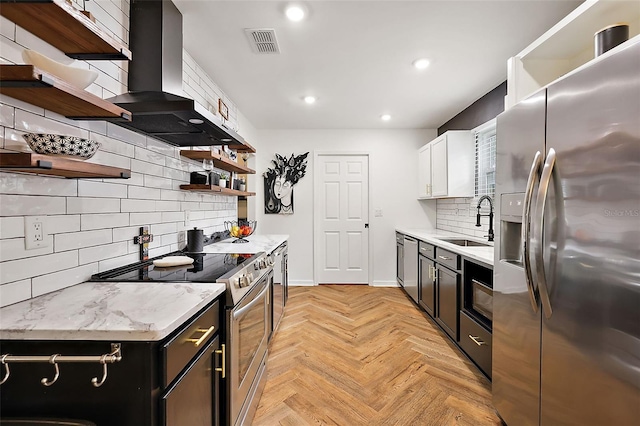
{"type": "Point", "coordinates": [92, 222]}
{"type": "Point", "coordinates": [393, 175]}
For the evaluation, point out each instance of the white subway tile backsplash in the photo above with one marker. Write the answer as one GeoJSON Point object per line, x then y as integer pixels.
{"type": "Point", "coordinates": [167, 206]}
{"type": "Point", "coordinates": [14, 270]}
{"type": "Point", "coordinates": [459, 215]}
{"type": "Point", "coordinates": [126, 135]}
{"type": "Point", "coordinates": [93, 205]}
{"type": "Point", "coordinates": [138, 206]}
{"type": "Point", "coordinates": [95, 128]}
{"type": "Point", "coordinates": [168, 152]}
{"type": "Point", "coordinates": [145, 218]}
{"type": "Point", "coordinates": [7, 115]}
{"type": "Point", "coordinates": [14, 141]}
{"type": "Point", "coordinates": [146, 168]}
{"type": "Point", "coordinates": [149, 156]}
{"type": "Point", "coordinates": [31, 205]}
{"type": "Point", "coordinates": [99, 253]}
{"type": "Point", "coordinates": [90, 188]}
{"type": "Point", "coordinates": [157, 182]}
{"type": "Point", "coordinates": [63, 223]}
{"type": "Point", "coordinates": [116, 262]}
{"type": "Point", "coordinates": [76, 240]}
{"type": "Point", "coordinates": [15, 292]}
{"type": "Point", "coordinates": [7, 28]}
{"type": "Point", "coordinates": [103, 220]}
{"type": "Point", "coordinates": [170, 195]}
{"type": "Point", "coordinates": [14, 248]}
{"type": "Point", "coordinates": [33, 123]}
{"type": "Point", "coordinates": [126, 233]}
{"type": "Point", "coordinates": [142, 193]}
{"type": "Point", "coordinates": [62, 279]}
{"type": "Point", "coordinates": [37, 185]}
{"type": "Point", "coordinates": [164, 228]}
{"type": "Point", "coordinates": [172, 216]}
{"type": "Point", "coordinates": [109, 159]}
{"type": "Point", "coordinates": [11, 227]}
{"type": "Point", "coordinates": [4, 99]}
{"type": "Point", "coordinates": [113, 146]}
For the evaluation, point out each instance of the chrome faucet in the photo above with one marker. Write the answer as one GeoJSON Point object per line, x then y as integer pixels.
{"type": "Point", "coordinates": [478, 216]}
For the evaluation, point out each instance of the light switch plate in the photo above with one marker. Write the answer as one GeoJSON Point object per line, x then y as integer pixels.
{"type": "Point", "coordinates": [377, 212]}
{"type": "Point", "coordinates": [35, 232]}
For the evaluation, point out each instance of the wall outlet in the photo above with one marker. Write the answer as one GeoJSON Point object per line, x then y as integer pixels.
{"type": "Point", "coordinates": [35, 232]}
{"type": "Point", "coordinates": [377, 213]}
{"type": "Point", "coordinates": [187, 218]}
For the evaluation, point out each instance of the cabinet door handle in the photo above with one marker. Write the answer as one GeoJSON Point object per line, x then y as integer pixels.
{"type": "Point", "coordinates": [202, 338]}
{"type": "Point", "coordinates": [444, 257]}
{"type": "Point", "coordinates": [222, 361]}
{"type": "Point", "coordinates": [477, 340]}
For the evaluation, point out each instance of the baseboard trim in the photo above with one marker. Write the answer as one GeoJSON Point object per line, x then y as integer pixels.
{"type": "Point", "coordinates": [381, 283]}
{"type": "Point", "coordinates": [302, 283]}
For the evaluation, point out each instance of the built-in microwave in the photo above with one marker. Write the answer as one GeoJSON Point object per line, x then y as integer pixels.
{"type": "Point", "coordinates": [482, 299]}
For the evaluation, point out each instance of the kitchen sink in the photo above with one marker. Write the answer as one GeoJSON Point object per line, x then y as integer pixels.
{"type": "Point", "coordinates": [467, 243]}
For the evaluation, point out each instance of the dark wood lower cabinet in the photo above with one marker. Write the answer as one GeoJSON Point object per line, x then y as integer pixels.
{"type": "Point", "coordinates": [476, 341]}
{"type": "Point", "coordinates": [189, 400]}
{"type": "Point", "coordinates": [426, 276]}
{"type": "Point", "coordinates": [448, 303]}
{"type": "Point", "coordinates": [134, 392]}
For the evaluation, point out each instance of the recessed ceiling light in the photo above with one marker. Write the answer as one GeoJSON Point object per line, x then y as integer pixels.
{"type": "Point", "coordinates": [195, 121]}
{"type": "Point", "coordinates": [385, 117]}
{"type": "Point", "coordinates": [295, 12]}
{"type": "Point", "coordinates": [310, 99]}
{"type": "Point", "coordinates": [421, 63]}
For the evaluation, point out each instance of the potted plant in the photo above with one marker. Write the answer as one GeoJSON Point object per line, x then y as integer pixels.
{"type": "Point", "coordinates": [243, 185]}
{"type": "Point", "coordinates": [223, 180]}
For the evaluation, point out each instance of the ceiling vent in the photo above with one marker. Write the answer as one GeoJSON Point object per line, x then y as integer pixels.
{"type": "Point", "coordinates": [263, 40]}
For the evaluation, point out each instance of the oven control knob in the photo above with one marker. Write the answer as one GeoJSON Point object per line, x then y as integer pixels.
{"type": "Point", "coordinates": [256, 266]}
{"type": "Point", "coordinates": [250, 276]}
{"type": "Point", "coordinates": [244, 281]}
{"type": "Point", "coordinates": [263, 264]}
{"type": "Point", "coordinates": [270, 260]}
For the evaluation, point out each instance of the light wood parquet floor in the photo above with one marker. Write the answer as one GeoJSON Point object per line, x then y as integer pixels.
{"type": "Point", "coordinates": [358, 355]}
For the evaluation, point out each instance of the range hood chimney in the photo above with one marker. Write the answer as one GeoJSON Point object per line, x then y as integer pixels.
{"type": "Point", "coordinates": [155, 96]}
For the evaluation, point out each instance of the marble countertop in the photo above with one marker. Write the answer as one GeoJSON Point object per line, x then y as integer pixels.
{"type": "Point", "coordinates": [257, 243]}
{"type": "Point", "coordinates": [438, 237]}
{"type": "Point", "coordinates": [107, 311]}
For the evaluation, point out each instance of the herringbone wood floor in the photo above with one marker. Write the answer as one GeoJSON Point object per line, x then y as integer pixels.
{"type": "Point", "coordinates": [358, 355]}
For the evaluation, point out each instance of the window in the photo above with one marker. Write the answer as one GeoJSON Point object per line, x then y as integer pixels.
{"type": "Point", "coordinates": [485, 136]}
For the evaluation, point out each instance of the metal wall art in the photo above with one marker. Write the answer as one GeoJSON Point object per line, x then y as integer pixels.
{"type": "Point", "coordinates": [279, 182]}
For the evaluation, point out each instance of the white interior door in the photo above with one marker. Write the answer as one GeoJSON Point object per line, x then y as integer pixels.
{"type": "Point", "coordinates": [341, 219]}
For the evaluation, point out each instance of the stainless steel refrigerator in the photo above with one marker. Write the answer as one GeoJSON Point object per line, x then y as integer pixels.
{"type": "Point", "coordinates": [566, 319]}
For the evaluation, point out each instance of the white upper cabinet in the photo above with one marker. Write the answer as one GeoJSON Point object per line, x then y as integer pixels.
{"type": "Point", "coordinates": [566, 46]}
{"type": "Point", "coordinates": [446, 166]}
{"type": "Point", "coordinates": [424, 172]}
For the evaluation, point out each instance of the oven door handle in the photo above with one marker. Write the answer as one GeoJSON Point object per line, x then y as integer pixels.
{"type": "Point", "coordinates": [237, 314]}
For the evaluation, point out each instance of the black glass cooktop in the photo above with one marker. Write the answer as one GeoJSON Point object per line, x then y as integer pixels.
{"type": "Point", "coordinates": [206, 267]}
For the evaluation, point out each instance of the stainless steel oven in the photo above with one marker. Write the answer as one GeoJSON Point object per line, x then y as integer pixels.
{"type": "Point", "coordinates": [248, 329]}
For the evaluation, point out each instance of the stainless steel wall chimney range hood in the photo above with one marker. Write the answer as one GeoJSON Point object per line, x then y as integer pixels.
{"type": "Point", "coordinates": [155, 82]}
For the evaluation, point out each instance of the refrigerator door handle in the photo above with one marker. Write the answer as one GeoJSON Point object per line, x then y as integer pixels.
{"type": "Point", "coordinates": [543, 190]}
{"type": "Point", "coordinates": [536, 167]}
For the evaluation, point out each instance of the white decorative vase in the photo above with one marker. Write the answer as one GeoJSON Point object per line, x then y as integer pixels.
{"type": "Point", "coordinates": [223, 183]}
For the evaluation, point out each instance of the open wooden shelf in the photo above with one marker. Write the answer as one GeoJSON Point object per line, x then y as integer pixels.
{"type": "Point", "coordinates": [216, 189]}
{"type": "Point", "coordinates": [27, 162]}
{"type": "Point", "coordinates": [219, 161]}
{"type": "Point", "coordinates": [65, 27]}
{"type": "Point", "coordinates": [243, 148]}
{"type": "Point", "coordinates": [32, 85]}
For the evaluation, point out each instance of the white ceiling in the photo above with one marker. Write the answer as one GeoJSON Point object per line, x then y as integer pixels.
{"type": "Point", "coordinates": [355, 57]}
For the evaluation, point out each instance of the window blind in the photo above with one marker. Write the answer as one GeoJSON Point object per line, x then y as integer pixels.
{"type": "Point", "coordinates": [485, 175]}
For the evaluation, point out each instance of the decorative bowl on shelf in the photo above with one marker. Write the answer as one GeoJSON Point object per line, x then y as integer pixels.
{"type": "Point", "coordinates": [240, 229]}
{"type": "Point", "coordinates": [68, 146]}
{"type": "Point", "coordinates": [77, 77]}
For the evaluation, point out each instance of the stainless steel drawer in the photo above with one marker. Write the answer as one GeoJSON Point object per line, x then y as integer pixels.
{"type": "Point", "coordinates": [475, 340]}
{"type": "Point", "coordinates": [427, 250]}
{"type": "Point", "coordinates": [447, 258]}
{"type": "Point", "coordinates": [183, 347]}
{"type": "Point", "coordinates": [399, 238]}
